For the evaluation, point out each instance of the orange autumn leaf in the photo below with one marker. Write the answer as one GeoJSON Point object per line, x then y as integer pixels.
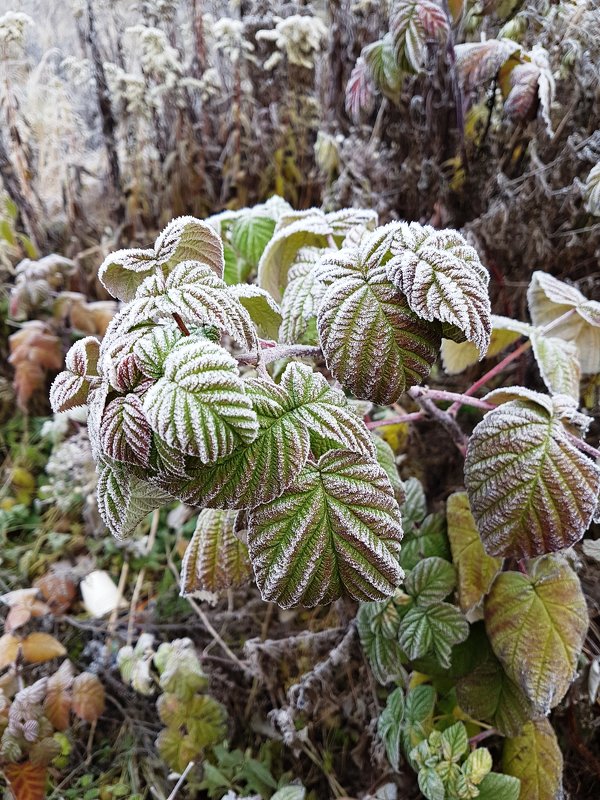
{"type": "Point", "coordinates": [39, 647]}
{"type": "Point", "coordinates": [58, 590]}
{"type": "Point", "coordinates": [88, 697]}
{"type": "Point", "coordinates": [9, 648]}
{"type": "Point", "coordinates": [26, 781]}
{"type": "Point", "coordinates": [57, 703]}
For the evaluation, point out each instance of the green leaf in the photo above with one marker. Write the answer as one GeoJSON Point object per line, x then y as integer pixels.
{"type": "Point", "coordinates": [431, 580]}
{"type": "Point", "coordinates": [198, 297]}
{"type": "Point", "coordinates": [180, 675]}
{"type": "Point", "coordinates": [442, 279]}
{"type": "Point", "coordinates": [418, 716]}
{"type": "Point", "coordinates": [455, 742]}
{"type": "Point", "coordinates": [215, 559]}
{"type": "Point", "coordinates": [535, 759]}
{"type": "Point", "coordinates": [176, 750]}
{"type": "Point", "coordinates": [431, 784]}
{"type": "Point", "coordinates": [250, 234]}
{"type": "Point", "coordinates": [387, 460]}
{"type": "Point", "coordinates": [263, 310]}
{"type": "Point", "coordinates": [489, 695]}
{"type": "Point", "coordinates": [427, 540]}
{"type": "Point", "coordinates": [433, 628]}
{"type": "Point", "coordinates": [550, 299]}
{"type": "Point", "coordinates": [499, 787]}
{"type": "Point", "coordinates": [290, 793]}
{"type": "Point", "coordinates": [477, 765]}
{"type": "Point", "coordinates": [558, 363]}
{"type": "Point", "coordinates": [389, 726]}
{"type": "Point", "coordinates": [373, 343]}
{"type": "Point", "coordinates": [531, 489]}
{"type": "Point", "coordinates": [153, 345]}
{"type": "Point", "coordinates": [414, 508]}
{"type": "Point", "coordinates": [293, 231]}
{"type": "Point", "coordinates": [476, 570]}
{"type": "Point", "coordinates": [337, 527]}
{"type": "Point", "coordinates": [381, 645]}
{"type": "Point", "coordinates": [200, 405]}
{"type": "Point", "coordinates": [383, 67]}
{"type": "Point", "coordinates": [537, 624]}
{"type": "Point", "coordinates": [302, 296]}
{"type": "Point", "coordinates": [124, 500]}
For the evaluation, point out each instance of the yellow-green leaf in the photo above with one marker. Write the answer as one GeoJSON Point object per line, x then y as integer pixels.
{"type": "Point", "coordinates": [535, 758]}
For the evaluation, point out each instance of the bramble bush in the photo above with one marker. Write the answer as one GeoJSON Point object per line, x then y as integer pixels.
{"type": "Point", "coordinates": [263, 404]}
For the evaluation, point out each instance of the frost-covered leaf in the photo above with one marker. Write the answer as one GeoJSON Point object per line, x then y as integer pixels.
{"type": "Point", "coordinates": [189, 239]}
{"type": "Point", "coordinates": [414, 508]}
{"type": "Point", "coordinates": [250, 234]}
{"type": "Point", "coordinates": [379, 642]}
{"type": "Point", "coordinates": [387, 460]}
{"type": "Point", "coordinates": [200, 404]}
{"type": "Point", "coordinates": [336, 527]}
{"type": "Point", "coordinates": [199, 297]}
{"type": "Point", "coordinates": [531, 88]}
{"type": "Point", "coordinates": [152, 346]}
{"type": "Point", "coordinates": [290, 793]}
{"type": "Point", "coordinates": [360, 91]}
{"type": "Point", "coordinates": [263, 310]}
{"type": "Point", "coordinates": [431, 580]}
{"type": "Point", "coordinates": [308, 228]}
{"type": "Point", "coordinates": [302, 296]}
{"type": "Point", "coordinates": [476, 570]}
{"type": "Point", "coordinates": [88, 697]}
{"type": "Point", "coordinates": [550, 299]}
{"type": "Point", "coordinates": [373, 343]}
{"type": "Point", "coordinates": [592, 191]}
{"type": "Point", "coordinates": [215, 559]}
{"type": "Point", "coordinates": [123, 271]}
{"type": "Point", "coordinates": [535, 758]}
{"type": "Point", "coordinates": [433, 628]}
{"type": "Point", "coordinates": [531, 490]}
{"type": "Point", "coordinates": [124, 500]}
{"type": "Point", "coordinates": [347, 221]}
{"type": "Point", "coordinates": [389, 726]}
{"type": "Point", "coordinates": [480, 62]}
{"type": "Point", "coordinates": [442, 279]}
{"type": "Point", "coordinates": [300, 414]}
{"type": "Point", "coordinates": [558, 362]}
{"type": "Point", "coordinates": [537, 624]}
{"type": "Point", "coordinates": [489, 695]}
{"type": "Point", "coordinates": [71, 387]}
{"type": "Point", "coordinates": [413, 23]}
{"type": "Point", "coordinates": [125, 432]}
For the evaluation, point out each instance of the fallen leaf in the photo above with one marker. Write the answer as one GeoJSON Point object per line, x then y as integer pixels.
{"type": "Point", "coordinates": [39, 647]}
{"type": "Point", "coordinates": [100, 594]}
{"type": "Point", "coordinates": [58, 589]}
{"type": "Point", "coordinates": [26, 781]}
{"type": "Point", "coordinates": [57, 703]}
{"type": "Point", "coordinates": [9, 648]}
{"type": "Point", "coordinates": [88, 697]}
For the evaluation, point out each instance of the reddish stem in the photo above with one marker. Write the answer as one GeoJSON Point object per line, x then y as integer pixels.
{"type": "Point", "coordinates": [181, 324]}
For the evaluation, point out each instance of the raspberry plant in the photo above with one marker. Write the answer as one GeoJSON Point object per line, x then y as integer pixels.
{"type": "Point", "coordinates": [259, 404]}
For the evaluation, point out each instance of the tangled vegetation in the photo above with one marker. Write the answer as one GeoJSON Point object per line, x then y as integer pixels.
{"type": "Point", "coordinates": [301, 500]}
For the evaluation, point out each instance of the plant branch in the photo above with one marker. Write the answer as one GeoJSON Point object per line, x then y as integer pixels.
{"type": "Point", "coordinates": [181, 324]}
{"type": "Point", "coordinates": [414, 416]}
{"type": "Point", "coordinates": [584, 446]}
{"type": "Point", "coordinates": [269, 354]}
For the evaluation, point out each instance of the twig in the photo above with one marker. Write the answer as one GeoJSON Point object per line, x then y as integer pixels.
{"type": "Point", "coordinates": [414, 416]}
{"type": "Point", "coordinates": [181, 324]}
{"type": "Point", "coordinates": [447, 421]}
{"type": "Point", "coordinates": [441, 394]}
{"type": "Point", "coordinates": [181, 780]}
{"type": "Point", "coordinates": [280, 351]}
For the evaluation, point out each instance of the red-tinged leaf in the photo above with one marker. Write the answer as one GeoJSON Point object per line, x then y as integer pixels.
{"type": "Point", "coordinates": [40, 647]}
{"type": "Point", "coordinates": [26, 781]}
{"type": "Point", "coordinates": [360, 92]}
{"type": "Point", "coordinates": [82, 358]}
{"type": "Point", "coordinates": [58, 590]}
{"type": "Point", "coordinates": [88, 697]}
{"type": "Point", "coordinates": [479, 62]}
{"type": "Point", "coordinates": [57, 703]}
{"type": "Point", "coordinates": [125, 433]}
